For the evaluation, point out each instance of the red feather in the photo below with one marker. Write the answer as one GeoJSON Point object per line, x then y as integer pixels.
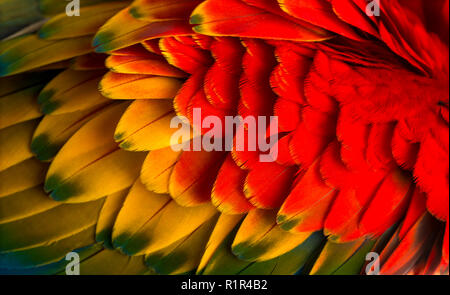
{"type": "Point", "coordinates": [184, 56]}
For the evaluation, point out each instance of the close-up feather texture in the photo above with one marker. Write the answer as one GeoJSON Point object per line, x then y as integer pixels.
{"type": "Point", "coordinates": [87, 163]}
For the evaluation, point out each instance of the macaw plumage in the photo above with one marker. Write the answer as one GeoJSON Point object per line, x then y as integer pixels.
{"type": "Point", "coordinates": [87, 163]}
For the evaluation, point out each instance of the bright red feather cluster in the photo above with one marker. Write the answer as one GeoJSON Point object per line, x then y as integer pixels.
{"type": "Point", "coordinates": [363, 114]}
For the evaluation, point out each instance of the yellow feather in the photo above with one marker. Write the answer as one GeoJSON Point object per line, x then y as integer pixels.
{"type": "Point", "coordinates": [108, 215]}
{"type": "Point", "coordinates": [9, 85]}
{"type": "Point", "coordinates": [19, 106]}
{"type": "Point", "coordinates": [45, 254]}
{"type": "Point", "coordinates": [183, 256]}
{"type": "Point", "coordinates": [147, 65]}
{"type": "Point", "coordinates": [112, 262]}
{"type": "Point", "coordinates": [146, 126]}
{"type": "Point", "coordinates": [90, 165]}
{"type": "Point", "coordinates": [156, 170]}
{"type": "Point", "coordinates": [114, 35]}
{"type": "Point", "coordinates": [15, 143]}
{"type": "Point", "coordinates": [88, 144]}
{"type": "Point", "coordinates": [50, 226]}
{"type": "Point", "coordinates": [52, 7]}
{"type": "Point", "coordinates": [131, 86]}
{"type": "Point", "coordinates": [22, 176]}
{"type": "Point", "coordinates": [159, 225]}
{"type": "Point", "coordinates": [224, 226]}
{"type": "Point", "coordinates": [54, 130]}
{"type": "Point", "coordinates": [259, 238]}
{"type": "Point", "coordinates": [24, 204]}
{"type": "Point", "coordinates": [90, 20]}
{"type": "Point", "coordinates": [72, 91]}
{"type": "Point", "coordinates": [140, 204]}
{"type": "Point", "coordinates": [31, 53]}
